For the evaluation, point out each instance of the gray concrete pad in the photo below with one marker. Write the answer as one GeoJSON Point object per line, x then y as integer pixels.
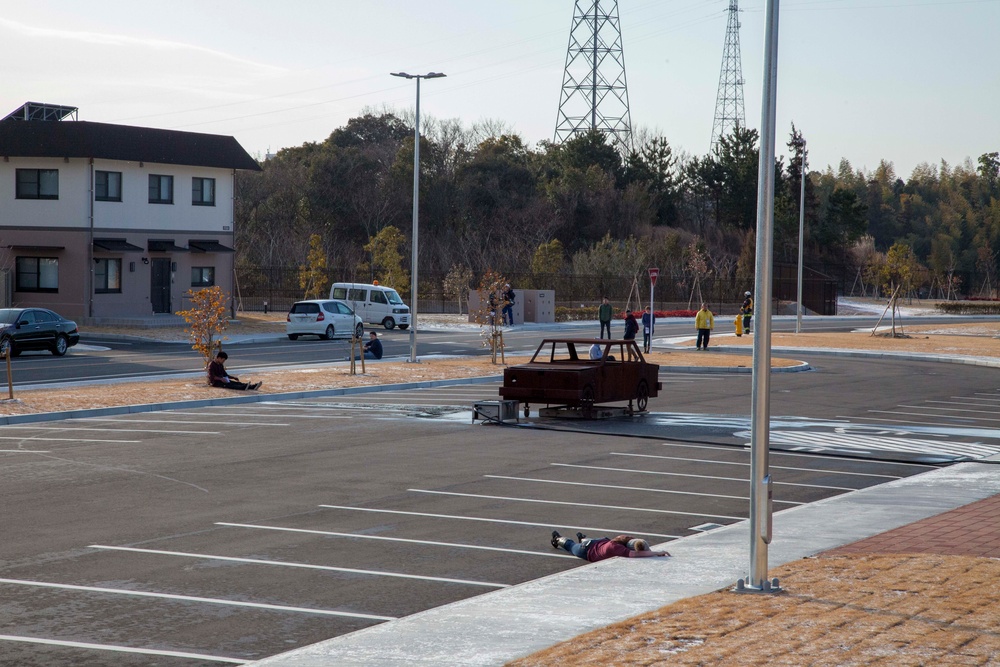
{"type": "Point", "coordinates": [494, 628]}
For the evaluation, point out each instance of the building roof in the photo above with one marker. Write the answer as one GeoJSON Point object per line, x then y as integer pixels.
{"type": "Point", "coordinates": [84, 139]}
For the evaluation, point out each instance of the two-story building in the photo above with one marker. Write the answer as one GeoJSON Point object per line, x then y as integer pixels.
{"type": "Point", "coordinates": [111, 221]}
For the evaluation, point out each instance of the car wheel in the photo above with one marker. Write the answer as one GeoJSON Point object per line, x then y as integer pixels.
{"type": "Point", "coordinates": [329, 332]}
{"type": "Point", "coordinates": [7, 346]}
{"type": "Point", "coordinates": [642, 396]}
{"type": "Point", "coordinates": [293, 336]}
{"type": "Point", "coordinates": [389, 323]}
{"type": "Point", "coordinates": [59, 349]}
{"type": "Point", "coordinates": [404, 327]}
{"type": "Point", "coordinates": [359, 331]}
{"type": "Point", "coordinates": [587, 395]}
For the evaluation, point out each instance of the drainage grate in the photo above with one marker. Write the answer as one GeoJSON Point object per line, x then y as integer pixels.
{"type": "Point", "coordinates": [705, 527]}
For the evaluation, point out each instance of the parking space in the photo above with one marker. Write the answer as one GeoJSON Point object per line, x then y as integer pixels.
{"type": "Point", "coordinates": [222, 535]}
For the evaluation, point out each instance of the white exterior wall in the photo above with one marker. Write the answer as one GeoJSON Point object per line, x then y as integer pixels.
{"type": "Point", "coordinates": [66, 222]}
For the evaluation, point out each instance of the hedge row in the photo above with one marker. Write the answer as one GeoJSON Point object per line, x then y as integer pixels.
{"type": "Point", "coordinates": [564, 314]}
{"type": "Point", "coordinates": [969, 307]}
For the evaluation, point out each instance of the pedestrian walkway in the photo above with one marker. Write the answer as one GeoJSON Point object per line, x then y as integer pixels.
{"type": "Point", "coordinates": [501, 626]}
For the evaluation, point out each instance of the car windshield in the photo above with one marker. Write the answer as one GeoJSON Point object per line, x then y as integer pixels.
{"type": "Point", "coordinates": [393, 297]}
{"type": "Point", "coordinates": [9, 315]}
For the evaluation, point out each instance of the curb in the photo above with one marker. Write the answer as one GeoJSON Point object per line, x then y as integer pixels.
{"type": "Point", "coordinates": [236, 400]}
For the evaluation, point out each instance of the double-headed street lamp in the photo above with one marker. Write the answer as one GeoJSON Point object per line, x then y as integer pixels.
{"type": "Point", "coordinates": [416, 208]}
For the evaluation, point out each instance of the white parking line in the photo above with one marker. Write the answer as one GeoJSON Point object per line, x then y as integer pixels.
{"type": "Point", "coordinates": [737, 463]}
{"type": "Point", "coordinates": [746, 450]}
{"type": "Point", "coordinates": [396, 539]}
{"type": "Point", "coordinates": [73, 429]}
{"type": "Point", "coordinates": [308, 566]}
{"type": "Point", "coordinates": [25, 451]}
{"type": "Point", "coordinates": [189, 598]}
{"type": "Point", "coordinates": [592, 529]}
{"type": "Point", "coordinates": [40, 437]}
{"type": "Point", "coordinates": [927, 416]}
{"type": "Point", "coordinates": [123, 649]}
{"type": "Point", "coordinates": [229, 414]}
{"type": "Point", "coordinates": [681, 474]}
{"type": "Point", "coordinates": [930, 407]}
{"type": "Point", "coordinates": [127, 420]}
{"type": "Point", "coordinates": [561, 502]}
{"type": "Point", "coordinates": [630, 488]}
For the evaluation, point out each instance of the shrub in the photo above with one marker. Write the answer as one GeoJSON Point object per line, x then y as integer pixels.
{"type": "Point", "coordinates": [969, 307]}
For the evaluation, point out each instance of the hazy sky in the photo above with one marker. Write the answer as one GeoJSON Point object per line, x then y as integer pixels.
{"type": "Point", "coordinates": [908, 81]}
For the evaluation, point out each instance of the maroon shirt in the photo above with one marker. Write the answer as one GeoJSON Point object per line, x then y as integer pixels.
{"type": "Point", "coordinates": [605, 548]}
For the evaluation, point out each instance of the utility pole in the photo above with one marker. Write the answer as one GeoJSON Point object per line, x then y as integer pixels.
{"type": "Point", "coordinates": [729, 111]}
{"type": "Point", "coordinates": [594, 90]}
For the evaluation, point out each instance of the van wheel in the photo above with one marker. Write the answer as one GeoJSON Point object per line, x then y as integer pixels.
{"type": "Point", "coordinates": [389, 323]}
{"type": "Point", "coordinates": [329, 332]}
{"type": "Point", "coordinates": [404, 327]}
{"type": "Point", "coordinates": [293, 336]}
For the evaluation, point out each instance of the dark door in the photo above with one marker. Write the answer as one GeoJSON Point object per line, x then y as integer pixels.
{"type": "Point", "coordinates": [159, 285]}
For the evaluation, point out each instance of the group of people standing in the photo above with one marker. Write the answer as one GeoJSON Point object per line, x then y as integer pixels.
{"type": "Point", "coordinates": [605, 313]}
{"type": "Point", "coordinates": [704, 322]}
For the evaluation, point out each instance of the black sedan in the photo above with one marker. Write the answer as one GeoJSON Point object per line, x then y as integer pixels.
{"type": "Point", "coordinates": [35, 329]}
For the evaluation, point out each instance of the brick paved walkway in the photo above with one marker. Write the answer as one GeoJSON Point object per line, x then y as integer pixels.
{"type": "Point", "coordinates": [970, 530]}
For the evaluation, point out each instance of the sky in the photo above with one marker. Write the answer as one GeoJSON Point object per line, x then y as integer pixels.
{"type": "Point", "coordinates": [906, 81]}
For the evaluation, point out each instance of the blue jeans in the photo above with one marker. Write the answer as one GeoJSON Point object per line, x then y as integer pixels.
{"type": "Point", "coordinates": [508, 315]}
{"type": "Point", "coordinates": [578, 550]}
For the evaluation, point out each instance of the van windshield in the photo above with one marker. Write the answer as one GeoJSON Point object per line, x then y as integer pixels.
{"type": "Point", "coordinates": [393, 297]}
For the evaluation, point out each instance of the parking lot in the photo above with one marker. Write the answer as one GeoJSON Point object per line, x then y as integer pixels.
{"type": "Point", "coordinates": [229, 534]}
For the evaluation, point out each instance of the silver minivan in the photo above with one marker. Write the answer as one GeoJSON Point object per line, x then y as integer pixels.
{"type": "Point", "coordinates": [325, 318]}
{"type": "Point", "coordinates": [375, 304]}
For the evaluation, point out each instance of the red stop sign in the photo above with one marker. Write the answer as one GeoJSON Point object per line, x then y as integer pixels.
{"type": "Point", "coordinates": [653, 275]}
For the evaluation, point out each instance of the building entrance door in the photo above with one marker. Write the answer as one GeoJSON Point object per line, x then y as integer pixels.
{"type": "Point", "coordinates": [159, 286]}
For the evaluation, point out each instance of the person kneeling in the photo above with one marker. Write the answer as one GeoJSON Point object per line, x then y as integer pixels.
{"type": "Point", "coordinates": [218, 377]}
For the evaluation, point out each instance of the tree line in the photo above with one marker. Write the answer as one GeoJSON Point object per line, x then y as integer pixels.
{"type": "Point", "coordinates": [490, 201]}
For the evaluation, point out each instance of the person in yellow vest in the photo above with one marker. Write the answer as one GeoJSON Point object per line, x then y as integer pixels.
{"type": "Point", "coordinates": [704, 321]}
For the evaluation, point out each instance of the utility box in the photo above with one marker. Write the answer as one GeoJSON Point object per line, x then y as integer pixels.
{"type": "Point", "coordinates": [496, 411]}
{"type": "Point", "coordinates": [539, 306]}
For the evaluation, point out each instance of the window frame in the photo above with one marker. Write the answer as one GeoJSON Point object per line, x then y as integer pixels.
{"type": "Point", "coordinates": [160, 180]}
{"type": "Point", "coordinates": [203, 270]}
{"type": "Point", "coordinates": [198, 191]}
{"type": "Point", "coordinates": [101, 278]}
{"type": "Point", "coordinates": [19, 184]}
{"type": "Point", "coordinates": [106, 196]}
{"type": "Point", "coordinates": [20, 273]}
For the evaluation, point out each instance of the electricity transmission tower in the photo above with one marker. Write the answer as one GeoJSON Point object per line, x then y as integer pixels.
{"type": "Point", "coordinates": [594, 91]}
{"type": "Point", "coordinates": [729, 101]}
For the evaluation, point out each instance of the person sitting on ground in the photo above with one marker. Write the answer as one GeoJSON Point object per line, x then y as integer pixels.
{"type": "Point", "coordinates": [596, 352]}
{"type": "Point", "coordinates": [605, 547]}
{"type": "Point", "coordinates": [218, 377]}
{"type": "Point", "coordinates": [373, 348]}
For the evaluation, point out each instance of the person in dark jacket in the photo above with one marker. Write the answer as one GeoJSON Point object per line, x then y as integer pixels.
{"type": "Point", "coordinates": [218, 377]}
{"type": "Point", "coordinates": [648, 325]}
{"type": "Point", "coordinates": [631, 326]}
{"type": "Point", "coordinates": [604, 547]}
{"type": "Point", "coordinates": [508, 305]}
{"type": "Point", "coordinates": [373, 348]}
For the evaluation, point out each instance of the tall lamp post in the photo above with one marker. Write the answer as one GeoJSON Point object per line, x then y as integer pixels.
{"type": "Point", "coordinates": [416, 208]}
{"type": "Point", "coordinates": [802, 224]}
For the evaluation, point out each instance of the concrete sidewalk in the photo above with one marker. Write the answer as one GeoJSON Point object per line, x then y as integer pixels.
{"type": "Point", "coordinates": [497, 627]}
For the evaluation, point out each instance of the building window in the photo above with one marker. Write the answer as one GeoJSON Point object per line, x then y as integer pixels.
{"type": "Point", "coordinates": [108, 276]}
{"type": "Point", "coordinates": [202, 276]}
{"type": "Point", "coordinates": [108, 186]}
{"type": "Point", "coordinates": [203, 191]}
{"type": "Point", "coordinates": [37, 274]}
{"type": "Point", "coordinates": [161, 189]}
{"type": "Point", "coordinates": [38, 184]}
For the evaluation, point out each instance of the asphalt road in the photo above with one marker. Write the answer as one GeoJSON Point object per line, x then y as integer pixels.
{"type": "Point", "coordinates": [98, 359]}
{"type": "Point", "coordinates": [220, 535]}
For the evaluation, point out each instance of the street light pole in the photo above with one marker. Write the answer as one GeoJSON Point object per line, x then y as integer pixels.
{"type": "Point", "coordinates": [416, 209]}
{"type": "Point", "coordinates": [802, 224]}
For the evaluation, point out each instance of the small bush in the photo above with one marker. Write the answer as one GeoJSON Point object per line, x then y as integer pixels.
{"type": "Point", "coordinates": [969, 307]}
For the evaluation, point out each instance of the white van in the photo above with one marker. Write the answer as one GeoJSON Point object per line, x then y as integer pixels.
{"type": "Point", "coordinates": [375, 304]}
